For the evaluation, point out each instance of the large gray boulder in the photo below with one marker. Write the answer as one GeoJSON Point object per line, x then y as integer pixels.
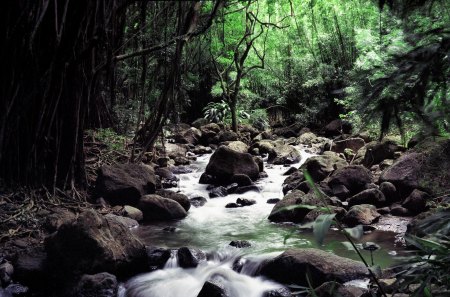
{"type": "Point", "coordinates": [155, 208]}
{"type": "Point", "coordinates": [353, 177]}
{"type": "Point", "coordinates": [178, 197]}
{"type": "Point", "coordinates": [124, 184]}
{"type": "Point", "coordinates": [225, 163]}
{"type": "Point", "coordinates": [92, 244]}
{"type": "Point", "coordinates": [370, 196]}
{"type": "Point", "coordinates": [363, 214]}
{"type": "Point", "coordinates": [284, 154]}
{"type": "Point", "coordinates": [320, 167]}
{"type": "Point", "coordinates": [295, 265]}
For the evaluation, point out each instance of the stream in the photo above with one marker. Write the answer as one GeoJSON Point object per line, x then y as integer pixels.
{"type": "Point", "coordinates": [212, 227]}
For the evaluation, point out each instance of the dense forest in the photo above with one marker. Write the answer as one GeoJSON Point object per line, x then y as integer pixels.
{"type": "Point", "coordinates": [108, 104]}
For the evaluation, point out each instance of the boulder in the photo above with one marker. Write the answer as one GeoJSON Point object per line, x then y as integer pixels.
{"type": "Point", "coordinates": [353, 177]}
{"type": "Point", "coordinates": [190, 257]}
{"type": "Point", "coordinates": [282, 211]}
{"type": "Point", "coordinates": [30, 267]}
{"type": "Point", "coordinates": [99, 285]}
{"type": "Point", "coordinates": [398, 210]}
{"type": "Point", "coordinates": [93, 243]}
{"type": "Point", "coordinates": [174, 150]}
{"type": "Point", "coordinates": [202, 150]}
{"type": "Point", "coordinates": [127, 222]}
{"type": "Point", "coordinates": [6, 272]}
{"type": "Point", "coordinates": [334, 289]}
{"type": "Point", "coordinates": [238, 146]}
{"type": "Point", "coordinates": [273, 200]}
{"type": "Point", "coordinates": [225, 163]}
{"type": "Point", "coordinates": [198, 201]}
{"type": "Point", "coordinates": [155, 207]}
{"type": "Point", "coordinates": [124, 184]}
{"type": "Point", "coordinates": [289, 131]}
{"type": "Point", "coordinates": [164, 172]}
{"type": "Point", "coordinates": [316, 143]}
{"type": "Point", "coordinates": [218, 192]}
{"type": "Point", "coordinates": [260, 162]}
{"type": "Point", "coordinates": [369, 196]}
{"type": "Point", "coordinates": [59, 216]}
{"type": "Point", "coordinates": [353, 144]}
{"type": "Point", "coordinates": [376, 152]}
{"type": "Point", "coordinates": [241, 180]}
{"type": "Point", "coordinates": [264, 146]}
{"type": "Point", "coordinates": [363, 214]}
{"type": "Point", "coordinates": [389, 191]}
{"type": "Point", "coordinates": [232, 205]}
{"type": "Point", "coordinates": [320, 167]}
{"type": "Point", "coordinates": [178, 197]}
{"type": "Point", "coordinates": [314, 214]}
{"type": "Point", "coordinates": [294, 265]}
{"type": "Point", "coordinates": [284, 154]}
{"type": "Point", "coordinates": [240, 244]}
{"type": "Point", "coordinates": [132, 213]}
{"type": "Point", "coordinates": [227, 136]}
{"type": "Point", "coordinates": [245, 201]}
{"type": "Point", "coordinates": [416, 202]}
{"type": "Point", "coordinates": [337, 127]}
{"type": "Point", "coordinates": [157, 257]}
{"type": "Point", "coordinates": [199, 122]}
{"type": "Point", "coordinates": [213, 289]}
{"type": "Point", "coordinates": [293, 181]}
{"type": "Point", "coordinates": [188, 136]}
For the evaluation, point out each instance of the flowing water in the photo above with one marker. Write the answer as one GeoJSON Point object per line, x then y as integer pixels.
{"type": "Point", "coordinates": [212, 227]}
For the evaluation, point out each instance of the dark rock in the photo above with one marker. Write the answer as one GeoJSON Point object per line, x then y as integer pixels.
{"type": "Point", "coordinates": [240, 243]}
{"type": "Point", "coordinates": [281, 292]}
{"type": "Point", "coordinates": [320, 167]}
{"type": "Point", "coordinates": [124, 184]}
{"type": "Point", "coordinates": [180, 160]}
{"type": "Point", "coordinates": [364, 214]}
{"type": "Point", "coordinates": [322, 266]}
{"type": "Point", "coordinates": [206, 179]}
{"type": "Point", "coordinates": [227, 136]}
{"type": "Point", "coordinates": [259, 161]}
{"type": "Point", "coordinates": [190, 257]}
{"type": "Point", "coordinates": [182, 199]}
{"type": "Point", "coordinates": [166, 173]}
{"type": "Point", "coordinates": [337, 127]}
{"type": "Point", "coordinates": [245, 201]}
{"type": "Point", "coordinates": [212, 289]}
{"type": "Point", "coordinates": [231, 188]}
{"type": "Point", "coordinates": [232, 205]}
{"type": "Point", "coordinates": [353, 144]}
{"type": "Point", "coordinates": [263, 174]}
{"type": "Point", "coordinates": [284, 154]}
{"type": "Point", "coordinates": [132, 213]}
{"type": "Point", "coordinates": [316, 144]}
{"type": "Point", "coordinates": [386, 163]}
{"type": "Point", "coordinates": [155, 207]}
{"type": "Point", "coordinates": [218, 192]}
{"type": "Point", "coordinates": [289, 131]}
{"type": "Point", "coordinates": [92, 244]}
{"type": "Point", "coordinates": [198, 201]}
{"type": "Point", "coordinates": [398, 210]}
{"type": "Point", "coordinates": [340, 191]}
{"type": "Point", "coordinates": [59, 216]}
{"type": "Point", "coordinates": [273, 200]}
{"type": "Point", "coordinates": [384, 210]}
{"type": "Point", "coordinates": [353, 177]}
{"type": "Point", "coordinates": [180, 169]}
{"type": "Point", "coordinates": [225, 163]}
{"type": "Point", "coordinates": [199, 122]}
{"type": "Point", "coordinates": [314, 214]}
{"type": "Point", "coordinates": [241, 180]}
{"type": "Point", "coordinates": [30, 267]}
{"type": "Point", "coordinates": [98, 285]}
{"type": "Point", "coordinates": [334, 289]}
{"type": "Point", "coordinates": [369, 196]}
{"type": "Point", "coordinates": [6, 271]}
{"type": "Point", "coordinates": [242, 190]}
{"type": "Point", "coordinates": [202, 150]}
{"type": "Point", "coordinates": [127, 222]}
{"type": "Point", "coordinates": [279, 212]}
{"type": "Point", "coordinates": [290, 171]}
{"type": "Point", "coordinates": [416, 202]}
{"type": "Point", "coordinates": [157, 257]}
{"type": "Point", "coordinates": [17, 290]}
{"type": "Point", "coordinates": [379, 151]}
{"type": "Point", "coordinates": [389, 191]}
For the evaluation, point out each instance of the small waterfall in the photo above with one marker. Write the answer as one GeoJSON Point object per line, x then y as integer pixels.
{"type": "Point", "coordinates": [173, 260]}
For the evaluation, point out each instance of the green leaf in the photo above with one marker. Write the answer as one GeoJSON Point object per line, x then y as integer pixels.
{"type": "Point", "coordinates": [321, 226]}
{"type": "Point", "coordinates": [427, 292]}
{"type": "Point", "coordinates": [355, 232]}
{"type": "Point", "coordinates": [426, 244]}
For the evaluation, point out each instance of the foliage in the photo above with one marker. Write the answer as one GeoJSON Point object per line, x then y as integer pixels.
{"type": "Point", "coordinates": [109, 137]}
{"type": "Point", "coordinates": [429, 269]}
{"type": "Point", "coordinates": [217, 112]}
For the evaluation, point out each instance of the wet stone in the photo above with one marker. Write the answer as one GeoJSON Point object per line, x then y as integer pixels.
{"type": "Point", "coordinates": [273, 200]}
{"type": "Point", "coordinates": [240, 243]}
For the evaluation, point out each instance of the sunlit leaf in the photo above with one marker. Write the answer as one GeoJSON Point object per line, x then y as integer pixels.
{"type": "Point", "coordinates": [321, 226]}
